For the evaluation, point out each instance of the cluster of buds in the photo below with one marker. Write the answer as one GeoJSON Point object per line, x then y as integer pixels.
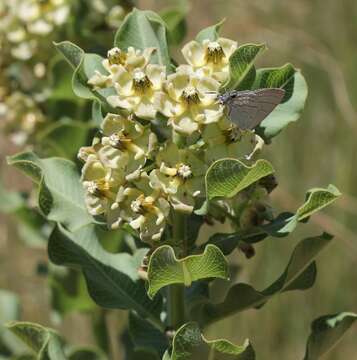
{"type": "Point", "coordinates": [129, 175]}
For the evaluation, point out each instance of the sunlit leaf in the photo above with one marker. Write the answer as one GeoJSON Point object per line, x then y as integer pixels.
{"type": "Point", "coordinates": [227, 177]}
{"type": "Point", "coordinates": [294, 84]}
{"type": "Point", "coordinates": [43, 341]}
{"type": "Point", "coordinates": [241, 67]}
{"type": "Point", "coordinates": [210, 33]}
{"type": "Point", "coordinates": [190, 344]}
{"type": "Point", "coordinates": [142, 30]}
{"type": "Point", "coordinates": [165, 269]}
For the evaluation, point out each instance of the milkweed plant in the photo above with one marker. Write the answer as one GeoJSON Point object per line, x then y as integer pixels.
{"type": "Point", "coordinates": [141, 160]}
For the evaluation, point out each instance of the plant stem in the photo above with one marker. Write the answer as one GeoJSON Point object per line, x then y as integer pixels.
{"type": "Point", "coordinates": [175, 293]}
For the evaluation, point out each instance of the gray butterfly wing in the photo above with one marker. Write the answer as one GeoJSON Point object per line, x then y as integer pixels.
{"type": "Point", "coordinates": [247, 109]}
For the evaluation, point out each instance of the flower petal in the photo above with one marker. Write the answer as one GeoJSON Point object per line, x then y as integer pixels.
{"type": "Point", "coordinates": [194, 53]}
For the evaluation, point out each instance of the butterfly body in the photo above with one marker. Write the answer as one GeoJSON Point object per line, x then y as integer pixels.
{"type": "Point", "coordinates": [248, 108]}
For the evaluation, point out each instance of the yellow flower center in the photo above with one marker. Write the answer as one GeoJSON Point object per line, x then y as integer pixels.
{"type": "Point", "coordinates": [214, 53]}
{"type": "Point", "coordinates": [142, 204]}
{"type": "Point", "coordinates": [190, 95]}
{"type": "Point", "coordinates": [116, 56]}
{"type": "Point", "coordinates": [99, 188]}
{"type": "Point", "coordinates": [184, 171]}
{"type": "Point", "coordinates": [141, 82]}
{"type": "Point", "coordinates": [119, 141]}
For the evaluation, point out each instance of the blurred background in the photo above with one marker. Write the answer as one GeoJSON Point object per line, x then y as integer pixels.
{"type": "Point", "coordinates": [319, 37]}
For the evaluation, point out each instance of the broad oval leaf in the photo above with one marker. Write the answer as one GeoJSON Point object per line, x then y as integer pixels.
{"type": "Point", "coordinates": [61, 196]}
{"type": "Point", "coordinates": [112, 279]}
{"type": "Point", "coordinates": [84, 66]}
{"type": "Point", "coordinates": [295, 86]}
{"type": "Point", "coordinates": [210, 33]}
{"type": "Point", "coordinates": [71, 52]}
{"type": "Point", "coordinates": [299, 274]}
{"type": "Point", "coordinates": [241, 67]}
{"type": "Point", "coordinates": [227, 177]}
{"type": "Point", "coordinates": [326, 331]}
{"type": "Point", "coordinates": [190, 344]}
{"type": "Point", "coordinates": [142, 30]}
{"type": "Point", "coordinates": [165, 269]}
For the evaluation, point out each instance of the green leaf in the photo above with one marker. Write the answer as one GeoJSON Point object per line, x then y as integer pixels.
{"type": "Point", "coordinates": [294, 84]}
{"type": "Point", "coordinates": [141, 30]}
{"type": "Point", "coordinates": [299, 274]}
{"type": "Point", "coordinates": [112, 279]}
{"type": "Point", "coordinates": [190, 344]}
{"type": "Point", "coordinates": [44, 341]}
{"type": "Point", "coordinates": [145, 337]}
{"type": "Point", "coordinates": [227, 177]}
{"type": "Point", "coordinates": [283, 78]}
{"type": "Point", "coordinates": [282, 225]}
{"type": "Point", "coordinates": [10, 310]}
{"type": "Point", "coordinates": [63, 138]}
{"type": "Point", "coordinates": [176, 24]}
{"type": "Point", "coordinates": [326, 331]}
{"type": "Point", "coordinates": [165, 269]}
{"type": "Point", "coordinates": [61, 196]}
{"type": "Point", "coordinates": [84, 66]}
{"type": "Point", "coordinates": [86, 353]}
{"type": "Point", "coordinates": [316, 199]}
{"type": "Point", "coordinates": [71, 52]}
{"type": "Point", "coordinates": [210, 33]}
{"type": "Point", "coordinates": [241, 67]}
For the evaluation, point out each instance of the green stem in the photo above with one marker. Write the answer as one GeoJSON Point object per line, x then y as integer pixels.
{"type": "Point", "coordinates": [175, 293]}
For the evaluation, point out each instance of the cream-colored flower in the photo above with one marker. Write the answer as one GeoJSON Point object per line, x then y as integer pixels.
{"type": "Point", "coordinates": [130, 59]}
{"type": "Point", "coordinates": [210, 58]}
{"type": "Point", "coordinates": [23, 23]}
{"type": "Point", "coordinates": [126, 144]}
{"type": "Point", "coordinates": [101, 185]}
{"type": "Point", "coordinates": [189, 101]}
{"type": "Point", "coordinates": [180, 175]}
{"type": "Point", "coordinates": [20, 117]}
{"type": "Point", "coordinates": [136, 89]}
{"type": "Point", "coordinates": [143, 208]}
{"type": "Point", "coordinates": [224, 140]}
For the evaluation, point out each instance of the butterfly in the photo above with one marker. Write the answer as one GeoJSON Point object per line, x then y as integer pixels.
{"type": "Point", "coordinates": [248, 108]}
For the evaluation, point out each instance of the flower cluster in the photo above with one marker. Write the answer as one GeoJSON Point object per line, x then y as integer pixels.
{"type": "Point", "coordinates": [129, 176]}
{"type": "Point", "coordinates": [23, 22]}
{"type": "Point", "coordinates": [20, 117]}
